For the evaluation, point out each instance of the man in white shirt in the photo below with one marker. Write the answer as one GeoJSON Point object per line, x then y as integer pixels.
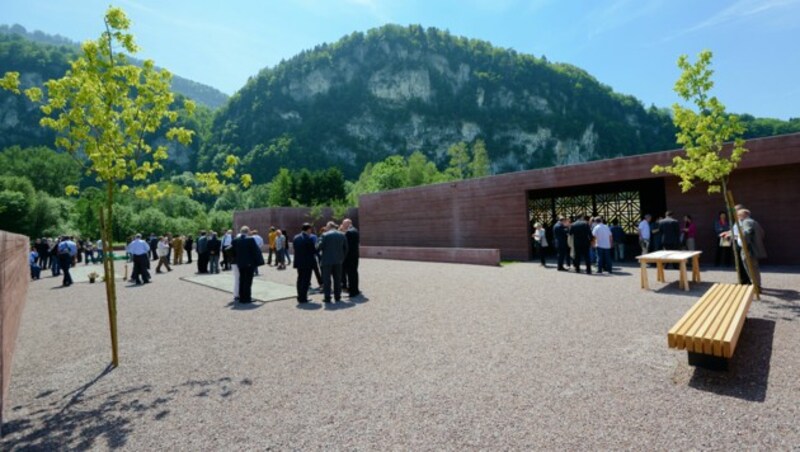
{"type": "Point", "coordinates": [644, 234]}
{"type": "Point", "coordinates": [604, 242]}
{"type": "Point", "coordinates": [227, 255]}
{"type": "Point", "coordinates": [139, 250]}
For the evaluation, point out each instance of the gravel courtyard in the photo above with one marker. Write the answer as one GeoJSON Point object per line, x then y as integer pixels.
{"type": "Point", "coordinates": [435, 357]}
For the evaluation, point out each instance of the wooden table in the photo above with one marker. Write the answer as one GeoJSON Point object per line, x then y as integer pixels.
{"type": "Point", "coordinates": [671, 257]}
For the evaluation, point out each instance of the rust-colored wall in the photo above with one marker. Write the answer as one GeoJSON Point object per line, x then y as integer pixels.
{"type": "Point", "coordinates": [491, 212]}
{"type": "Point", "coordinates": [14, 278]}
{"type": "Point", "coordinates": [771, 193]}
{"type": "Point", "coordinates": [288, 218]}
{"type": "Point", "coordinates": [477, 256]}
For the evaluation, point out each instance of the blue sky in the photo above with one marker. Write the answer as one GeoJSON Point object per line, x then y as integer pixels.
{"type": "Point", "coordinates": [631, 45]}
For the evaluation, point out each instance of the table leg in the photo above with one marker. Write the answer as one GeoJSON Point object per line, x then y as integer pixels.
{"type": "Point", "coordinates": [696, 269]}
{"type": "Point", "coordinates": [684, 282]}
{"type": "Point", "coordinates": [660, 272]}
{"type": "Point", "coordinates": [645, 282]}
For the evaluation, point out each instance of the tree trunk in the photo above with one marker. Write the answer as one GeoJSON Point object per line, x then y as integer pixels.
{"type": "Point", "coordinates": [748, 259]}
{"type": "Point", "coordinates": [106, 225]}
{"type": "Point", "coordinates": [731, 219]}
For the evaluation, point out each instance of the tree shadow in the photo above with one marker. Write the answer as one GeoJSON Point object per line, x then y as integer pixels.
{"type": "Point", "coordinates": [104, 420]}
{"type": "Point", "coordinates": [782, 303]}
{"type": "Point", "coordinates": [747, 377]}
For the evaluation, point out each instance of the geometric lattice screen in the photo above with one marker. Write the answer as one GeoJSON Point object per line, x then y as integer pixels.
{"type": "Point", "coordinates": [624, 206]}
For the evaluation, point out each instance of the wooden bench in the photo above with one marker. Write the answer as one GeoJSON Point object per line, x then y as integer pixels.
{"type": "Point", "coordinates": [710, 330]}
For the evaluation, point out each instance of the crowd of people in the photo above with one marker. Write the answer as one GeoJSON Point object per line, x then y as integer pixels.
{"type": "Point", "coordinates": [331, 257]}
{"type": "Point", "coordinates": [589, 240]}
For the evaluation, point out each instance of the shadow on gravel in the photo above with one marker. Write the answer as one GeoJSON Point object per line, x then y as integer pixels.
{"type": "Point", "coordinates": [310, 306]}
{"type": "Point", "coordinates": [673, 287]}
{"type": "Point", "coordinates": [782, 303]}
{"type": "Point", "coordinates": [75, 421]}
{"type": "Point", "coordinates": [748, 375]}
{"type": "Point", "coordinates": [244, 306]}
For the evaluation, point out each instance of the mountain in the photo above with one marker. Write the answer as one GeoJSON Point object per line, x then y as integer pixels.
{"type": "Point", "coordinates": [200, 93]}
{"type": "Point", "coordinates": [394, 90]}
{"type": "Point", "coordinates": [48, 57]}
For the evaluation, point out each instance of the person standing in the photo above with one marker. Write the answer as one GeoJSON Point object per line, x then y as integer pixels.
{"type": "Point", "coordinates": [139, 251]}
{"type": "Point", "coordinates": [333, 246]}
{"type": "Point", "coordinates": [187, 246]}
{"type": "Point", "coordinates": [202, 253]}
{"type": "Point", "coordinates": [618, 234]}
{"type": "Point", "coordinates": [214, 248]}
{"type": "Point", "coordinates": [153, 241]}
{"type": "Point", "coordinates": [350, 264]}
{"type": "Point", "coordinates": [226, 249]}
{"type": "Point", "coordinates": [55, 268]}
{"type": "Point", "coordinates": [280, 243]}
{"type": "Point", "coordinates": [99, 248]}
{"type": "Point", "coordinates": [67, 250]}
{"type": "Point", "coordinates": [315, 269]}
{"type": "Point", "coordinates": [644, 234]}
{"type": "Point", "coordinates": [670, 232]}
{"type": "Point", "coordinates": [724, 248]}
{"type": "Point", "coordinates": [304, 259]}
{"type": "Point", "coordinates": [247, 257]}
{"type": "Point", "coordinates": [288, 248]}
{"type": "Point", "coordinates": [604, 243]}
{"type": "Point", "coordinates": [689, 232]}
{"type": "Point", "coordinates": [754, 234]}
{"type": "Point", "coordinates": [259, 241]}
{"type": "Point", "coordinates": [33, 262]}
{"type": "Point", "coordinates": [540, 242]}
{"type": "Point", "coordinates": [271, 241]}
{"type": "Point", "coordinates": [177, 244]}
{"type": "Point", "coordinates": [582, 240]}
{"type": "Point", "coordinates": [163, 254]}
{"type": "Point", "coordinates": [560, 237]}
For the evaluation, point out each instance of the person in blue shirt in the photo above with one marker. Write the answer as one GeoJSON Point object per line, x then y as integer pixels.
{"type": "Point", "coordinates": [618, 234]}
{"type": "Point", "coordinates": [67, 250]}
{"type": "Point", "coordinates": [33, 258]}
{"type": "Point", "coordinates": [139, 251]}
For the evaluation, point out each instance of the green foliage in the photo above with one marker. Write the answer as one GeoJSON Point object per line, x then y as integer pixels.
{"type": "Point", "coordinates": [703, 133]}
{"type": "Point", "coordinates": [17, 197]}
{"type": "Point", "coordinates": [281, 189]}
{"type": "Point", "coordinates": [480, 166]}
{"type": "Point", "coordinates": [306, 188]}
{"type": "Point", "coordinates": [51, 170]}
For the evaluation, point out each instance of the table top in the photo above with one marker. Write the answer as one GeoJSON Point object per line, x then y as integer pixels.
{"type": "Point", "coordinates": [669, 255]}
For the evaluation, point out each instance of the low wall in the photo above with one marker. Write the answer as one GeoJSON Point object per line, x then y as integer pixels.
{"type": "Point", "coordinates": [14, 278]}
{"type": "Point", "coordinates": [477, 256]}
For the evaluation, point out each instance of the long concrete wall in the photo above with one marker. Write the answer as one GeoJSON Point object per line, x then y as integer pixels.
{"type": "Point", "coordinates": [14, 278]}
{"type": "Point", "coordinates": [491, 212]}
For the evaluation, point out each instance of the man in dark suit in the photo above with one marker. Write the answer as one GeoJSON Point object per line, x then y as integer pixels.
{"type": "Point", "coordinates": [350, 265]}
{"type": "Point", "coordinates": [187, 246]}
{"type": "Point", "coordinates": [333, 246]}
{"type": "Point", "coordinates": [562, 247]}
{"type": "Point", "coordinates": [304, 260]}
{"type": "Point", "coordinates": [202, 253]}
{"type": "Point", "coordinates": [581, 241]}
{"type": "Point", "coordinates": [153, 242]}
{"type": "Point", "coordinates": [670, 232]}
{"type": "Point", "coordinates": [247, 257]}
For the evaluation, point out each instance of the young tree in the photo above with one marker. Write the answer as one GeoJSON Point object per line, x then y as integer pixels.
{"type": "Point", "coordinates": [703, 134]}
{"type": "Point", "coordinates": [104, 112]}
{"type": "Point", "coordinates": [480, 165]}
{"type": "Point", "coordinates": [459, 161]}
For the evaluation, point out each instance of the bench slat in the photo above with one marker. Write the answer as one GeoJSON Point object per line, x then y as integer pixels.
{"type": "Point", "coordinates": [731, 338]}
{"type": "Point", "coordinates": [695, 335]}
{"type": "Point", "coordinates": [677, 334]}
{"type": "Point", "coordinates": [727, 320]}
{"type": "Point", "coordinates": [717, 324]}
{"type": "Point", "coordinates": [713, 324]}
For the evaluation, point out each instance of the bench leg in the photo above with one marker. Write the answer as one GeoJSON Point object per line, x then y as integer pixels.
{"type": "Point", "coordinates": [709, 362]}
{"type": "Point", "coordinates": [645, 282]}
{"type": "Point", "coordinates": [684, 281]}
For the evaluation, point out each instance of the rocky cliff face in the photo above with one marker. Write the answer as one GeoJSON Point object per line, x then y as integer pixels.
{"type": "Point", "coordinates": [395, 90]}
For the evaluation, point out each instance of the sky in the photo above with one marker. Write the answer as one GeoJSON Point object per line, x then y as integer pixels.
{"type": "Point", "coordinates": [630, 45]}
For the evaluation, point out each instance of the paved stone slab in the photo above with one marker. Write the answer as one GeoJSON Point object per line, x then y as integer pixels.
{"type": "Point", "coordinates": [263, 290]}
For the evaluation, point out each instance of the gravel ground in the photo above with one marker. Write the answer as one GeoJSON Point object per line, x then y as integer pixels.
{"type": "Point", "coordinates": [435, 357]}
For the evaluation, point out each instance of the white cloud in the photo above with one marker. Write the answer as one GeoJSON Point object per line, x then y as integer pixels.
{"type": "Point", "coordinates": [739, 11]}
